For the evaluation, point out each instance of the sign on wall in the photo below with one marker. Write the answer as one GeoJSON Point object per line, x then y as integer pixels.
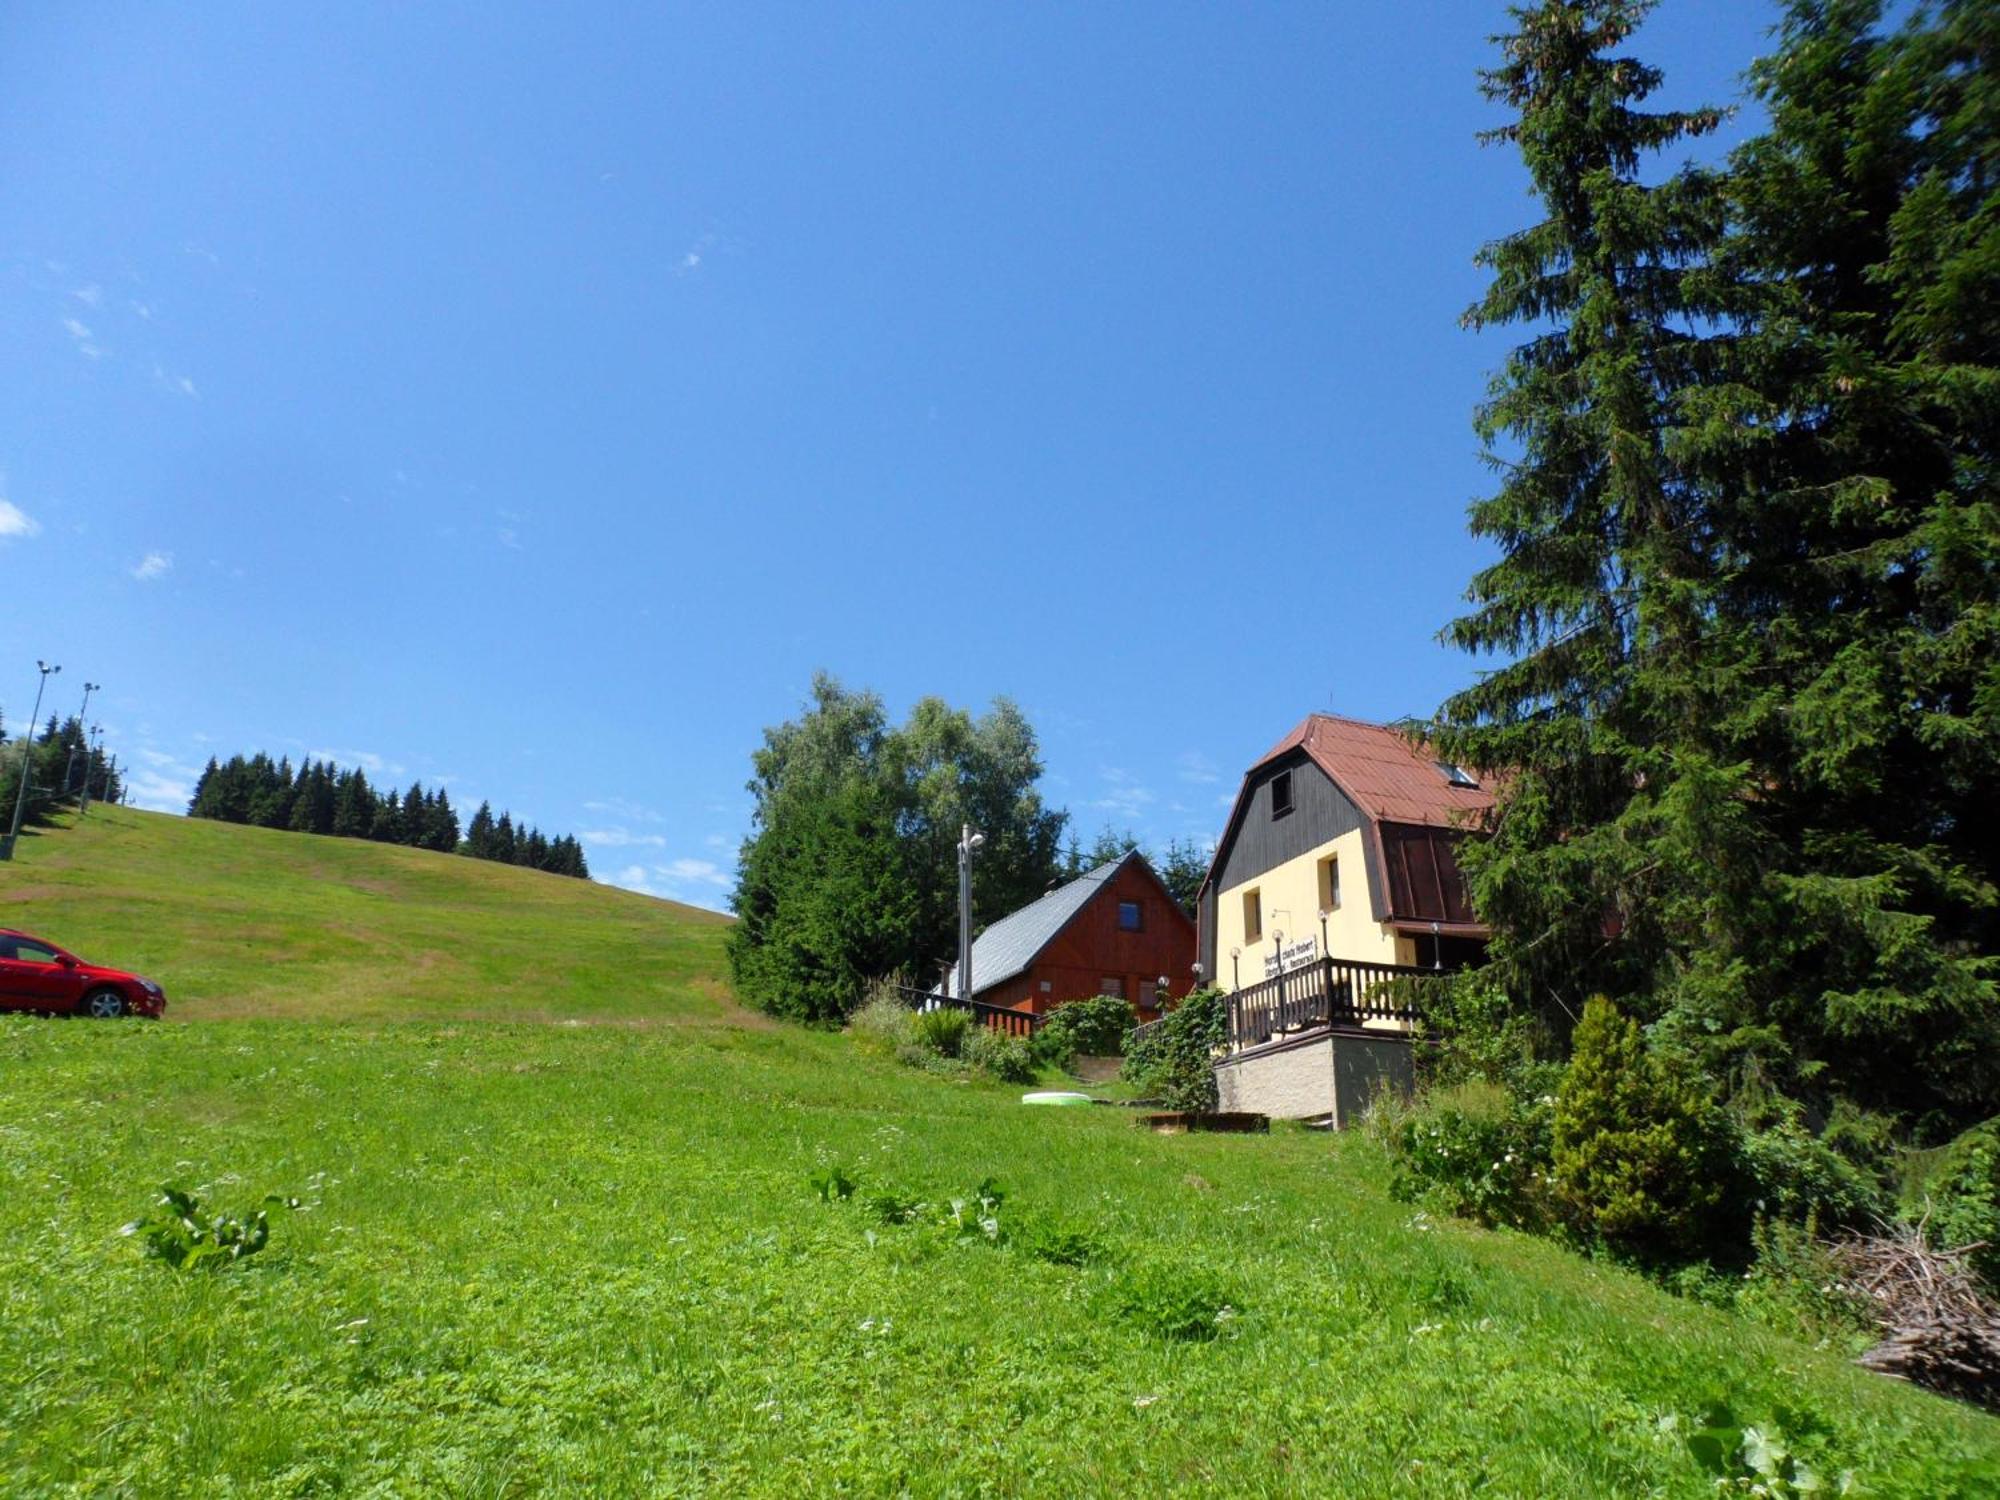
{"type": "Point", "coordinates": [1299, 954]}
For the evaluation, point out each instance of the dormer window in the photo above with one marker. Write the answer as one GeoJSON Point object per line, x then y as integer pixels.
{"type": "Point", "coordinates": [1457, 775]}
{"type": "Point", "coordinates": [1281, 794]}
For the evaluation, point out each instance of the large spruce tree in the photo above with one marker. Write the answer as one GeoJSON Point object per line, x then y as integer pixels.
{"type": "Point", "coordinates": [1597, 604]}
{"type": "Point", "coordinates": [1748, 717]}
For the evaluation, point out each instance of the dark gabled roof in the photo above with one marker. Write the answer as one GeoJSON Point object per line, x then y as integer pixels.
{"type": "Point", "coordinates": [1012, 943]}
{"type": "Point", "coordinates": [1389, 777]}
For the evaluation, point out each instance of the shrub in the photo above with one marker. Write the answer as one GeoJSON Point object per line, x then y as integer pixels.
{"type": "Point", "coordinates": [1174, 1062]}
{"type": "Point", "coordinates": [1958, 1199]}
{"type": "Point", "coordinates": [1475, 1031]}
{"type": "Point", "coordinates": [186, 1234]}
{"type": "Point", "coordinates": [1097, 1027]}
{"type": "Point", "coordinates": [883, 1020]}
{"type": "Point", "coordinates": [1639, 1154]}
{"type": "Point", "coordinates": [1475, 1152]}
{"type": "Point", "coordinates": [940, 1031]}
{"type": "Point", "coordinates": [1006, 1058]}
{"type": "Point", "coordinates": [1184, 1303]}
{"type": "Point", "coordinates": [1797, 1287]}
{"type": "Point", "coordinates": [1794, 1175]}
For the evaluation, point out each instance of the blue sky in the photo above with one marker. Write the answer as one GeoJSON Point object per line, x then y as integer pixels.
{"type": "Point", "coordinates": [529, 399]}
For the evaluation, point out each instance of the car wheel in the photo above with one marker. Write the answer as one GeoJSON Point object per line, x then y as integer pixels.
{"type": "Point", "coordinates": [104, 1005]}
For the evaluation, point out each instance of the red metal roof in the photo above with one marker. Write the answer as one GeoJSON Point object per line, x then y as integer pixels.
{"type": "Point", "coordinates": [1383, 773]}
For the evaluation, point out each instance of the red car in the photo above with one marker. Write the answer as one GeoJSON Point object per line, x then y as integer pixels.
{"type": "Point", "coordinates": [36, 975]}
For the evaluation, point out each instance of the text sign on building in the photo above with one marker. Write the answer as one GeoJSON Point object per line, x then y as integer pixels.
{"type": "Point", "coordinates": [1296, 955]}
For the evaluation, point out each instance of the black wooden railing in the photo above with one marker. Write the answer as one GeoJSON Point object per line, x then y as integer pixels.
{"type": "Point", "coordinates": [1000, 1017]}
{"type": "Point", "coordinates": [1331, 992]}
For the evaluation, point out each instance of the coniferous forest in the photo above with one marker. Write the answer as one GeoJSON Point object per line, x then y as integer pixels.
{"type": "Point", "coordinates": [319, 797]}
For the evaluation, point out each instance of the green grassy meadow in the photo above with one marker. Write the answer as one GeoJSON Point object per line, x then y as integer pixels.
{"type": "Point", "coordinates": [587, 1260]}
{"type": "Point", "coordinates": [238, 921]}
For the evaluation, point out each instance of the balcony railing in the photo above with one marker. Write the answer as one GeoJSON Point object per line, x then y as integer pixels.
{"type": "Point", "coordinates": [999, 1018]}
{"type": "Point", "coordinates": [1330, 992]}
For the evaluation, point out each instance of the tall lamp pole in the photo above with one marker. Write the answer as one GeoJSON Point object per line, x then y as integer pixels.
{"type": "Point", "coordinates": [968, 843]}
{"type": "Point", "coordinates": [82, 718]}
{"type": "Point", "coordinates": [92, 743]}
{"type": "Point", "coordinates": [27, 761]}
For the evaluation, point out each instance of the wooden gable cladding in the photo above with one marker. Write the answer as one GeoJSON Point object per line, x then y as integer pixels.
{"type": "Point", "coordinates": [1091, 948]}
{"type": "Point", "coordinates": [1420, 871]}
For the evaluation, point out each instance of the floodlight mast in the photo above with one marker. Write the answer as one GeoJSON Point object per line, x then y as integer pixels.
{"type": "Point", "coordinates": [968, 843]}
{"type": "Point", "coordinates": [27, 762]}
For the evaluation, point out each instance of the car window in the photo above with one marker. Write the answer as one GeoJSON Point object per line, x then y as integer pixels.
{"type": "Point", "coordinates": [33, 953]}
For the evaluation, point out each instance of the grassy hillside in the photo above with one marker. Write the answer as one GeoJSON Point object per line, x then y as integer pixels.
{"type": "Point", "coordinates": [241, 921]}
{"type": "Point", "coordinates": [544, 1259]}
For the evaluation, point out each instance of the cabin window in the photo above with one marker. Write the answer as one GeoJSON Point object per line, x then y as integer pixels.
{"type": "Point", "coordinates": [1329, 883]}
{"type": "Point", "coordinates": [1129, 917]}
{"type": "Point", "coordinates": [1281, 794]}
{"type": "Point", "coordinates": [1253, 916]}
{"type": "Point", "coordinates": [1149, 995]}
{"type": "Point", "coordinates": [1111, 987]}
{"type": "Point", "coordinates": [1457, 775]}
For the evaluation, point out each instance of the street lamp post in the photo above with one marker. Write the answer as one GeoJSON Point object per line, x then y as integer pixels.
{"type": "Point", "coordinates": [82, 718]}
{"type": "Point", "coordinates": [1324, 950]}
{"type": "Point", "coordinates": [93, 742]}
{"type": "Point", "coordinates": [27, 761]}
{"type": "Point", "coordinates": [968, 843]}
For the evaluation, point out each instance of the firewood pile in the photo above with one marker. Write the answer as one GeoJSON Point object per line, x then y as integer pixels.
{"type": "Point", "coordinates": [1939, 1330]}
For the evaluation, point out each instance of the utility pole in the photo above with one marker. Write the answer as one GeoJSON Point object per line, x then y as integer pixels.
{"type": "Point", "coordinates": [82, 718]}
{"type": "Point", "coordinates": [27, 761]}
{"type": "Point", "coordinates": [968, 842]}
{"type": "Point", "coordinates": [91, 739]}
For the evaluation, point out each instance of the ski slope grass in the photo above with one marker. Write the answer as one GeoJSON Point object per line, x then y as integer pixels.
{"type": "Point", "coordinates": [541, 1259]}
{"type": "Point", "coordinates": [239, 921]}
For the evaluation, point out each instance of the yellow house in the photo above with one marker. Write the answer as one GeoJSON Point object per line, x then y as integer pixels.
{"type": "Point", "coordinates": [1341, 845]}
{"type": "Point", "coordinates": [1332, 904]}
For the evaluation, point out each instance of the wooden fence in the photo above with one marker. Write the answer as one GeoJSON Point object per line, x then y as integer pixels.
{"type": "Point", "coordinates": [1021, 1023]}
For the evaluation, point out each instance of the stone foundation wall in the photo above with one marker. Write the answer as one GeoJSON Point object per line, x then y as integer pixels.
{"type": "Point", "coordinates": [1326, 1073]}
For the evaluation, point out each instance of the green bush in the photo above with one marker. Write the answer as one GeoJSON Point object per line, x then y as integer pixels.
{"type": "Point", "coordinates": [1475, 1152]}
{"type": "Point", "coordinates": [1958, 1199]}
{"type": "Point", "coordinates": [1473, 1030]}
{"type": "Point", "coordinates": [884, 1021]}
{"type": "Point", "coordinates": [1174, 1061]}
{"type": "Point", "coordinates": [1792, 1174]}
{"type": "Point", "coordinates": [185, 1233]}
{"type": "Point", "coordinates": [941, 1031]}
{"type": "Point", "coordinates": [1185, 1303]}
{"type": "Point", "coordinates": [1640, 1154]}
{"type": "Point", "coordinates": [998, 1055]}
{"type": "Point", "coordinates": [1096, 1027]}
{"type": "Point", "coordinates": [1795, 1288]}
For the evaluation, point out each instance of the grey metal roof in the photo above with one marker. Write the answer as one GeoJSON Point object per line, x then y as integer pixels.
{"type": "Point", "coordinates": [1010, 944]}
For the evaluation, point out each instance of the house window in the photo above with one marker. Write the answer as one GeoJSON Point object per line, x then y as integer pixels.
{"type": "Point", "coordinates": [1253, 916]}
{"type": "Point", "coordinates": [1281, 794]}
{"type": "Point", "coordinates": [1111, 987]}
{"type": "Point", "coordinates": [1457, 775]}
{"type": "Point", "coordinates": [1129, 916]}
{"type": "Point", "coordinates": [1329, 883]}
{"type": "Point", "coordinates": [1149, 995]}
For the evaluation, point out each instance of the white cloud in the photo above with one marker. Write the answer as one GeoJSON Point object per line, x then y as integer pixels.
{"type": "Point", "coordinates": [153, 565]}
{"type": "Point", "coordinates": [1124, 797]}
{"type": "Point", "coordinates": [509, 538]}
{"type": "Point", "coordinates": [16, 522]}
{"type": "Point", "coordinates": [367, 760]}
{"type": "Point", "coordinates": [1196, 767]}
{"type": "Point", "coordinates": [621, 838]}
{"type": "Point", "coordinates": [163, 784]}
{"type": "Point", "coordinates": [86, 345]}
{"type": "Point", "coordinates": [89, 296]}
{"type": "Point", "coordinates": [144, 310]}
{"type": "Point", "coordinates": [699, 871]}
{"type": "Point", "coordinates": [180, 385]}
{"type": "Point", "coordinates": [157, 791]}
{"type": "Point", "coordinates": [623, 808]}
{"type": "Point", "coordinates": [694, 882]}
